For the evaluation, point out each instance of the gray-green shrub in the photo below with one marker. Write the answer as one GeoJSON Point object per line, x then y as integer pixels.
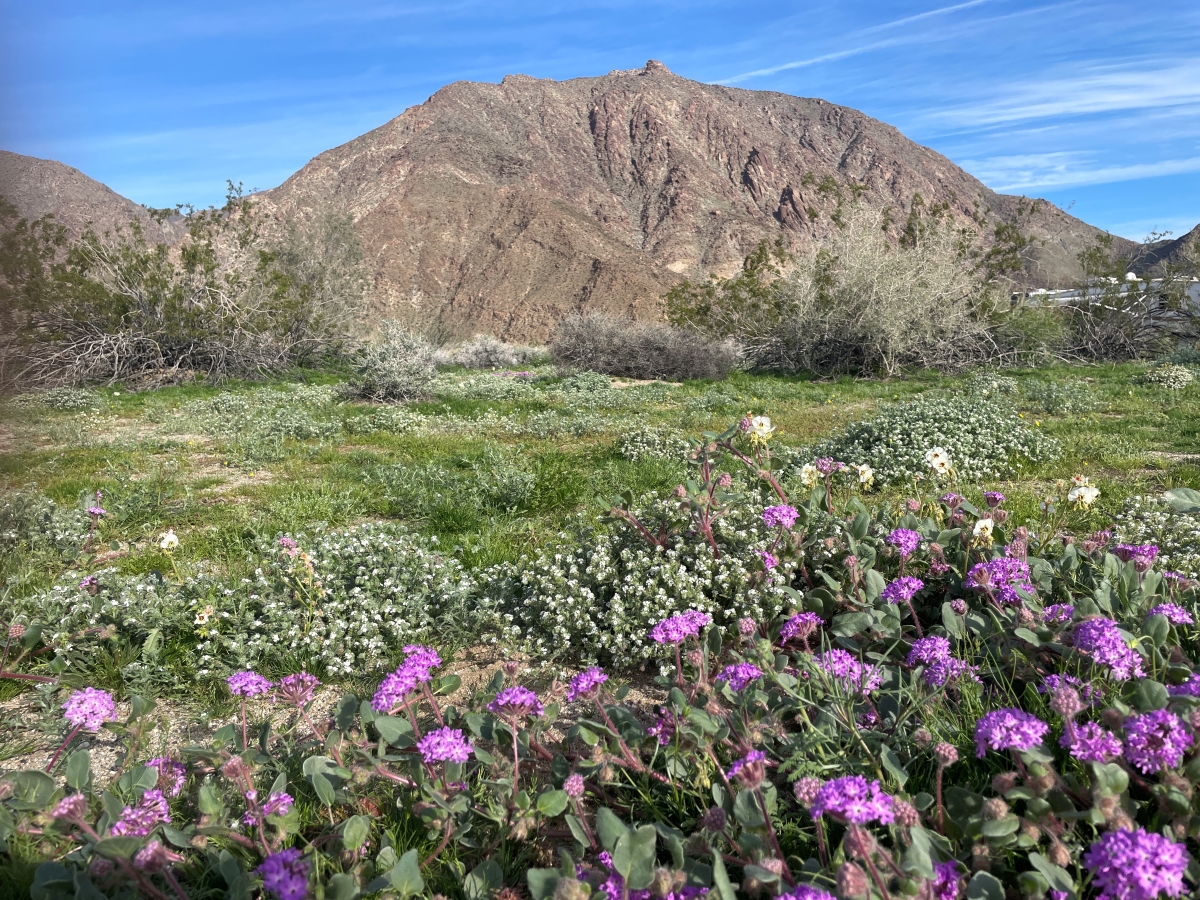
{"type": "Point", "coordinates": [647, 350]}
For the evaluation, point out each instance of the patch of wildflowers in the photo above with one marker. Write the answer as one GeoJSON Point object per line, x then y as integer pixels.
{"type": "Point", "coordinates": [1136, 865]}
{"type": "Point", "coordinates": [854, 676]}
{"type": "Point", "coordinates": [445, 745]}
{"type": "Point", "coordinates": [905, 540]}
{"type": "Point", "coordinates": [676, 629]}
{"type": "Point", "coordinates": [1101, 639]}
{"type": "Point", "coordinates": [89, 709]}
{"type": "Point", "coordinates": [285, 874]}
{"type": "Point", "coordinates": [739, 675]}
{"type": "Point", "coordinates": [248, 684]}
{"type": "Point", "coordinates": [586, 683]}
{"type": "Point", "coordinates": [516, 702]}
{"type": "Point", "coordinates": [1001, 578]}
{"type": "Point", "coordinates": [1008, 729]}
{"type": "Point", "coordinates": [782, 516]}
{"type": "Point", "coordinates": [854, 799]}
{"type": "Point", "coordinates": [1156, 740]}
{"type": "Point", "coordinates": [902, 589]}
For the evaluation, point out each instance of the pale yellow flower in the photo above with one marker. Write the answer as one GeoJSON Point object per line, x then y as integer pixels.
{"type": "Point", "coordinates": [866, 475]}
{"type": "Point", "coordinates": [983, 530]}
{"type": "Point", "coordinates": [169, 541]}
{"type": "Point", "coordinates": [808, 475]}
{"type": "Point", "coordinates": [760, 428]}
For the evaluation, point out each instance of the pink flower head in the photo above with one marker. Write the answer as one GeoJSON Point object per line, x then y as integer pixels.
{"type": "Point", "coordinates": [993, 498]}
{"type": "Point", "coordinates": [1008, 729]}
{"type": "Point", "coordinates": [902, 589]}
{"type": "Point", "coordinates": [1001, 578]}
{"type": "Point", "coordinates": [586, 684]}
{"type": "Point", "coordinates": [800, 626]}
{"type": "Point", "coordinates": [171, 774]}
{"type": "Point", "coordinates": [749, 770]}
{"type": "Point", "coordinates": [445, 745]}
{"type": "Point", "coordinates": [1091, 743]}
{"type": "Point", "coordinates": [515, 703]}
{"type": "Point", "coordinates": [782, 516]}
{"type": "Point", "coordinates": [297, 689]}
{"type": "Point", "coordinates": [663, 727]}
{"type": "Point", "coordinates": [1101, 639]}
{"type": "Point", "coordinates": [396, 687]}
{"type": "Point", "coordinates": [854, 799]}
{"type": "Point", "coordinates": [248, 684]}
{"type": "Point", "coordinates": [1156, 740]}
{"type": "Point", "coordinates": [140, 820]}
{"type": "Point", "coordinates": [676, 629]}
{"type": "Point", "coordinates": [96, 512]}
{"type": "Point", "coordinates": [1058, 613]}
{"type": "Point", "coordinates": [285, 875]}
{"type": "Point", "coordinates": [1128, 552]}
{"type": "Point", "coordinates": [1174, 614]}
{"type": "Point", "coordinates": [769, 560]}
{"type": "Point", "coordinates": [421, 656]}
{"type": "Point", "coordinates": [853, 676]}
{"type": "Point", "coordinates": [89, 709]}
{"type": "Point", "coordinates": [574, 785]}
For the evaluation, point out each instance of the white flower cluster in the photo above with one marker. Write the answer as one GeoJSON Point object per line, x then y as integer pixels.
{"type": "Point", "coordinates": [61, 399]}
{"type": "Point", "coordinates": [30, 523]}
{"type": "Point", "coordinates": [652, 443]}
{"type": "Point", "coordinates": [345, 603]}
{"type": "Point", "coordinates": [1171, 377]}
{"type": "Point", "coordinates": [981, 438]}
{"type": "Point", "coordinates": [991, 384]}
{"type": "Point", "coordinates": [597, 600]}
{"type": "Point", "coordinates": [1150, 520]}
{"type": "Point", "coordinates": [298, 411]}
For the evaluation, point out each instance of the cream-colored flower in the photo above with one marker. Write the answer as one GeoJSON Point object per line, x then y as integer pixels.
{"type": "Point", "coordinates": [983, 529]}
{"type": "Point", "coordinates": [1083, 496]}
{"type": "Point", "coordinates": [866, 475]}
{"type": "Point", "coordinates": [169, 540]}
{"type": "Point", "coordinates": [938, 460]}
{"type": "Point", "coordinates": [760, 427]}
{"type": "Point", "coordinates": [204, 615]}
{"type": "Point", "coordinates": [1047, 505]}
{"type": "Point", "coordinates": [1080, 480]}
{"type": "Point", "coordinates": [808, 474]}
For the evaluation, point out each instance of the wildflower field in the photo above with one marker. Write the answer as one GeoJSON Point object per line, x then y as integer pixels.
{"type": "Point", "coordinates": [552, 636]}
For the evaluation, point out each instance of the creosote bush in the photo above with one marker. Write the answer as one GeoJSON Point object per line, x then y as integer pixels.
{"type": "Point", "coordinates": [647, 350]}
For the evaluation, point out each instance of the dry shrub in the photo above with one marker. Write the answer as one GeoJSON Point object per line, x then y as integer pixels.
{"type": "Point", "coordinates": [398, 367]}
{"type": "Point", "coordinates": [649, 350]}
{"type": "Point", "coordinates": [867, 304]}
{"type": "Point", "coordinates": [486, 352]}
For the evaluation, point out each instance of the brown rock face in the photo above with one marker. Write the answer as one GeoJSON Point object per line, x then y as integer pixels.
{"type": "Point", "coordinates": [40, 186]}
{"type": "Point", "coordinates": [496, 208]}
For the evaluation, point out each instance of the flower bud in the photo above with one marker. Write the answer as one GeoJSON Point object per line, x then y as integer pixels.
{"type": "Point", "coordinates": [858, 843]}
{"type": "Point", "coordinates": [571, 889]}
{"type": "Point", "coordinates": [510, 667]}
{"type": "Point", "coordinates": [959, 606]}
{"type": "Point", "coordinates": [945, 754]}
{"type": "Point", "coordinates": [995, 808]}
{"type": "Point", "coordinates": [979, 858]}
{"type": "Point", "coordinates": [1004, 782]}
{"type": "Point", "coordinates": [1000, 516]}
{"type": "Point", "coordinates": [1066, 702]}
{"type": "Point", "coordinates": [714, 819]}
{"type": "Point", "coordinates": [680, 492]}
{"type": "Point", "coordinates": [747, 626]}
{"type": "Point", "coordinates": [852, 881]}
{"type": "Point", "coordinates": [1121, 821]}
{"type": "Point", "coordinates": [695, 657]}
{"type": "Point", "coordinates": [1111, 718]}
{"type": "Point", "coordinates": [16, 632]}
{"type": "Point", "coordinates": [1059, 855]}
{"type": "Point", "coordinates": [725, 480]}
{"type": "Point", "coordinates": [906, 814]}
{"type": "Point", "coordinates": [921, 737]}
{"type": "Point", "coordinates": [574, 786]}
{"type": "Point", "coordinates": [806, 790]}
{"type": "Point", "coordinates": [912, 505]}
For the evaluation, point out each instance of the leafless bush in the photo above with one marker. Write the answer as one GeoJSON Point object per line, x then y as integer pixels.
{"type": "Point", "coordinates": [399, 367]}
{"type": "Point", "coordinates": [486, 352]}
{"type": "Point", "coordinates": [630, 349]}
{"type": "Point", "coordinates": [867, 304]}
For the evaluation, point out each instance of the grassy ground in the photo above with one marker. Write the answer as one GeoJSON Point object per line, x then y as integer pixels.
{"type": "Point", "coordinates": [495, 478]}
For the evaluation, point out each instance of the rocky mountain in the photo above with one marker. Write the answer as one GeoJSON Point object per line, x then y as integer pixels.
{"type": "Point", "coordinates": [1152, 256]}
{"type": "Point", "coordinates": [497, 207]}
{"type": "Point", "coordinates": [40, 186]}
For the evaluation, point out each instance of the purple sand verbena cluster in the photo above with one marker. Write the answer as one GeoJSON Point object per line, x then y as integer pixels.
{"type": "Point", "coordinates": [89, 708]}
{"type": "Point", "coordinates": [905, 540]}
{"type": "Point", "coordinates": [445, 745]}
{"type": "Point", "coordinates": [1002, 578]}
{"type": "Point", "coordinates": [248, 684]}
{"type": "Point", "coordinates": [1102, 639]}
{"type": "Point", "coordinates": [800, 626]}
{"type": "Point", "coordinates": [139, 821]}
{"type": "Point", "coordinates": [1156, 740]}
{"type": "Point", "coordinates": [854, 676]}
{"type": "Point", "coordinates": [297, 689]}
{"type": "Point", "coordinates": [516, 702]}
{"type": "Point", "coordinates": [285, 874]}
{"type": "Point", "coordinates": [586, 683]}
{"type": "Point", "coordinates": [1008, 729]}
{"type": "Point", "coordinates": [1174, 613]}
{"type": "Point", "coordinates": [738, 675]}
{"type": "Point", "coordinates": [676, 629]}
{"type": "Point", "coordinates": [1136, 865]}
{"type": "Point", "coordinates": [902, 589]}
{"type": "Point", "coordinates": [854, 799]}
{"type": "Point", "coordinates": [1091, 743]}
{"type": "Point", "coordinates": [171, 774]}
{"type": "Point", "coordinates": [780, 516]}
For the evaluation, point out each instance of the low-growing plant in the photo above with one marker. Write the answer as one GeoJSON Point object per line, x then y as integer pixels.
{"type": "Point", "coordinates": [399, 366]}
{"type": "Point", "coordinates": [1170, 522]}
{"type": "Point", "coordinates": [651, 443]}
{"type": "Point", "coordinates": [1058, 398]}
{"type": "Point", "coordinates": [980, 438]}
{"type": "Point", "coordinates": [647, 350]}
{"type": "Point", "coordinates": [1171, 377]}
{"type": "Point", "coordinates": [486, 352]}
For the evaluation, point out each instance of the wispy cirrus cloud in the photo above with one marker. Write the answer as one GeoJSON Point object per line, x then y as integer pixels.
{"type": "Point", "coordinates": [1096, 89]}
{"type": "Point", "coordinates": [1067, 169]}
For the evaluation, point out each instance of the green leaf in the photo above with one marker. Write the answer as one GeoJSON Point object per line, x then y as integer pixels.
{"type": "Point", "coordinates": [210, 800]}
{"type": "Point", "coordinates": [875, 583]}
{"type": "Point", "coordinates": [79, 770]}
{"type": "Point", "coordinates": [31, 789]}
{"type": "Point", "coordinates": [118, 847]}
{"type": "Point", "coordinates": [482, 881]}
{"type": "Point", "coordinates": [405, 876]}
{"type": "Point", "coordinates": [355, 832]}
{"type": "Point", "coordinates": [998, 828]}
{"type": "Point", "coordinates": [962, 804]}
{"type": "Point", "coordinates": [859, 526]}
{"type": "Point", "coordinates": [542, 882]}
{"type": "Point", "coordinates": [552, 802]}
{"type": "Point", "coordinates": [1183, 500]}
{"type": "Point", "coordinates": [747, 811]}
{"type": "Point", "coordinates": [1057, 876]}
{"type": "Point", "coordinates": [47, 875]}
{"type": "Point", "coordinates": [1158, 629]}
{"type": "Point", "coordinates": [176, 838]}
{"type": "Point", "coordinates": [633, 856]}
{"type": "Point", "coordinates": [609, 828]}
{"type": "Point", "coordinates": [345, 711]}
{"type": "Point", "coordinates": [395, 730]}
{"type": "Point", "coordinates": [720, 877]}
{"type": "Point", "coordinates": [984, 886]}
{"type": "Point", "coordinates": [891, 762]}
{"type": "Point", "coordinates": [1028, 636]}
{"type": "Point", "coordinates": [1149, 695]}
{"type": "Point", "coordinates": [229, 867]}
{"type": "Point", "coordinates": [917, 858]}
{"type": "Point", "coordinates": [578, 831]}
{"type": "Point", "coordinates": [341, 887]}
{"type": "Point", "coordinates": [850, 624]}
{"type": "Point", "coordinates": [448, 684]}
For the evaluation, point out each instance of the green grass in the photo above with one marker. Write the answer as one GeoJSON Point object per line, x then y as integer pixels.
{"type": "Point", "coordinates": [217, 492]}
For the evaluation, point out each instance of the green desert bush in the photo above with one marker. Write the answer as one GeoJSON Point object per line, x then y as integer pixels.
{"type": "Point", "coordinates": [399, 367]}
{"type": "Point", "coordinates": [984, 439]}
{"type": "Point", "coordinates": [646, 350]}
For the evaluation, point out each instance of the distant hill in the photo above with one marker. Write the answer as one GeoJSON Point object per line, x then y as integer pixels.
{"type": "Point", "coordinates": [497, 207]}
{"type": "Point", "coordinates": [1153, 255]}
{"type": "Point", "coordinates": [40, 186]}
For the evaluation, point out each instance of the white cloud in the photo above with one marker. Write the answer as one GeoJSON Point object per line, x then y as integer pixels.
{"type": "Point", "coordinates": [1068, 168]}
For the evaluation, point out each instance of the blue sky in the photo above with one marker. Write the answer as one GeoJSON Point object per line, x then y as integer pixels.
{"type": "Point", "coordinates": [1094, 105]}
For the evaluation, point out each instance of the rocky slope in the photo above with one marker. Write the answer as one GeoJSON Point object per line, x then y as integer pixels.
{"type": "Point", "coordinates": [40, 186]}
{"type": "Point", "coordinates": [496, 207]}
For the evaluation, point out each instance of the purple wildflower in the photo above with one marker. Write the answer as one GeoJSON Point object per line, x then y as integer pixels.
{"type": "Point", "coordinates": [1102, 640]}
{"type": "Point", "coordinates": [854, 799]}
{"type": "Point", "coordinates": [574, 785]}
{"type": "Point", "coordinates": [949, 670]}
{"type": "Point", "coordinates": [905, 540]}
{"type": "Point", "coordinates": [421, 657]}
{"type": "Point", "coordinates": [1008, 729]}
{"type": "Point", "coordinates": [1136, 865]}
{"type": "Point", "coordinates": [739, 675]}
{"type": "Point", "coordinates": [663, 727]}
{"type": "Point", "coordinates": [806, 892]}
{"type": "Point", "coordinates": [1091, 743]}
{"type": "Point", "coordinates": [951, 499]}
{"type": "Point", "coordinates": [827, 465]}
{"type": "Point", "coordinates": [516, 703]}
{"type": "Point", "coordinates": [279, 803]}
{"type": "Point", "coordinates": [288, 543]}
{"type": "Point", "coordinates": [1156, 740]}
{"type": "Point", "coordinates": [993, 498]}
{"type": "Point", "coordinates": [780, 516]}
{"type": "Point", "coordinates": [139, 821]}
{"type": "Point", "coordinates": [1089, 693]}
{"type": "Point", "coordinates": [72, 807]}
{"type": "Point", "coordinates": [96, 511]}
{"type": "Point", "coordinates": [1174, 613]}
{"type": "Point", "coordinates": [248, 684]}
{"type": "Point", "coordinates": [171, 774]}
{"type": "Point", "coordinates": [800, 626]}
{"type": "Point", "coordinates": [445, 745]}
{"type": "Point", "coordinates": [769, 560]}
{"type": "Point", "coordinates": [749, 768]}
{"type": "Point", "coordinates": [902, 589]}
{"type": "Point", "coordinates": [297, 689]}
{"type": "Point", "coordinates": [586, 683]}
{"type": "Point", "coordinates": [946, 881]}
{"type": "Point", "coordinates": [853, 675]}
{"type": "Point", "coordinates": [285, 874]}
{"type": "Point", "coordinates": [1058, 613]}
{"type": "Point", "coordinates": [89, 709]}
{"type": "Point", "coordinates": [929, 650]}
{"type": "Point", "coordinates": [675, 629]}
{"type": "Point", "coordinates": [1189, 688]}
{"type": "Point", "coordinates": [1127, 552]}
{"type": "Point", "coordinates": [1002, 578]}
{"type": "Point", "coordinates": [395, 687]}
{"type": "Point", "coordinates": [959, 606]}
{"type": "Point", "coordinates": [90, 583]}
